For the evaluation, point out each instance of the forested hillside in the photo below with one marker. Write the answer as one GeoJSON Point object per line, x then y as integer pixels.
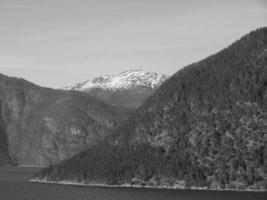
{"type": "Point", "coordinates": [206, 126]}
{"type": "Point", "coordinates": [40, 126]}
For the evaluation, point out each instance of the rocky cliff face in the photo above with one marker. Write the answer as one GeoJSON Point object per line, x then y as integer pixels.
{"type": "Point", "coordinates": [127, 89]}
{"type": "Point", "coordinates": [44, 126]}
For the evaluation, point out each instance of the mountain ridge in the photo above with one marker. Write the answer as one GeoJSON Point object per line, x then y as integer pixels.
{"type": "Point", "coordinates": [127, 89]}
{"type": "Point", "coordinates": [205, 127]}
{"type": "Point", "coordinates": [123, 80]}
{"type": "Point", "coordinates": [43, 126]}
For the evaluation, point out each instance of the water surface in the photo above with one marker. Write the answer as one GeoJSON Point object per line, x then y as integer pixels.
{"type": "Point", "coordinates": [14, 186]}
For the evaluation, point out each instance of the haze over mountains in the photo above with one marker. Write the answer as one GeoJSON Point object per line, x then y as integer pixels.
{"type": "Point", "coordinates": [205, 127]}
{"type": "Point", "coordinates": [128, 89]}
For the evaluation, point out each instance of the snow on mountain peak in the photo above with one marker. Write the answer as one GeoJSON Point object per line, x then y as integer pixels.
{"type": "Point", "coordinates": [124, 80]}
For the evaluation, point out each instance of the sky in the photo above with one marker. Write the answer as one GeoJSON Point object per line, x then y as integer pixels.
{"type": "Point", "coordinates": [56, 43]}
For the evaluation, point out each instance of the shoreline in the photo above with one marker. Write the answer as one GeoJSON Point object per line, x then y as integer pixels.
{"type": "Point", "coordinates": [73, 183]}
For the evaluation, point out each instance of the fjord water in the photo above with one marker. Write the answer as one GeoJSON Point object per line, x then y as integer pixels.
{"type": "Point", "coordinates": [14, 185]}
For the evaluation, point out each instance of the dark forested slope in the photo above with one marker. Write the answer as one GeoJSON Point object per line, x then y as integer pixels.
{"type": "Point", "coordinates": [4, 156]}
{"type": "Point", "coordinates": [206, 126]}
{"type": "Point", "coordinates": [40, 126]}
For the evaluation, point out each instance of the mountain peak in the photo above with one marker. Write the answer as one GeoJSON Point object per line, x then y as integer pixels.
{"type": "Point", "coordinates": [126, 80]}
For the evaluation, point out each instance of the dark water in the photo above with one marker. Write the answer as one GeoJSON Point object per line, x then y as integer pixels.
{"type": "Point", "coordinates": [19, 189]}
{"type": "Point", "coordinates": [17, 174]}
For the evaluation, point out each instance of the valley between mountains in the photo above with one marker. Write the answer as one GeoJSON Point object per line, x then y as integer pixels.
{"type": "Point", "coordinates": [41, 126]}
{"type": "Point", "coordinates": [203, 127]}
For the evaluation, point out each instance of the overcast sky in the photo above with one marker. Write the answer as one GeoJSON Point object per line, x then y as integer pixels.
{"type": "Point", "coordinates": [59, 42]}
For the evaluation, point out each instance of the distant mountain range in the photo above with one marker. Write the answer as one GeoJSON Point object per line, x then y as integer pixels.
{"type": "Point", "coordinates": [127, 89]}
{"type": "Point", "coordinates": [205, 127]}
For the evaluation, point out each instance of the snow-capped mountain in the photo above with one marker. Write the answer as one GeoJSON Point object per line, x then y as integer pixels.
{"type": "Point", "coordinates": [124, 80]}
{"type": "Point", "coordinates": [127, 89]}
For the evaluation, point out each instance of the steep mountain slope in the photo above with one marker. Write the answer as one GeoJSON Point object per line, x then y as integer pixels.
{"type": "Point", "coordinates": [4, 157]}
{"type": "Point", "coordinates": [127, 89]}
{"type": "Point", "coordinates": [206, 126]}
{"type": "Point", "coordinates": [44, 126]}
